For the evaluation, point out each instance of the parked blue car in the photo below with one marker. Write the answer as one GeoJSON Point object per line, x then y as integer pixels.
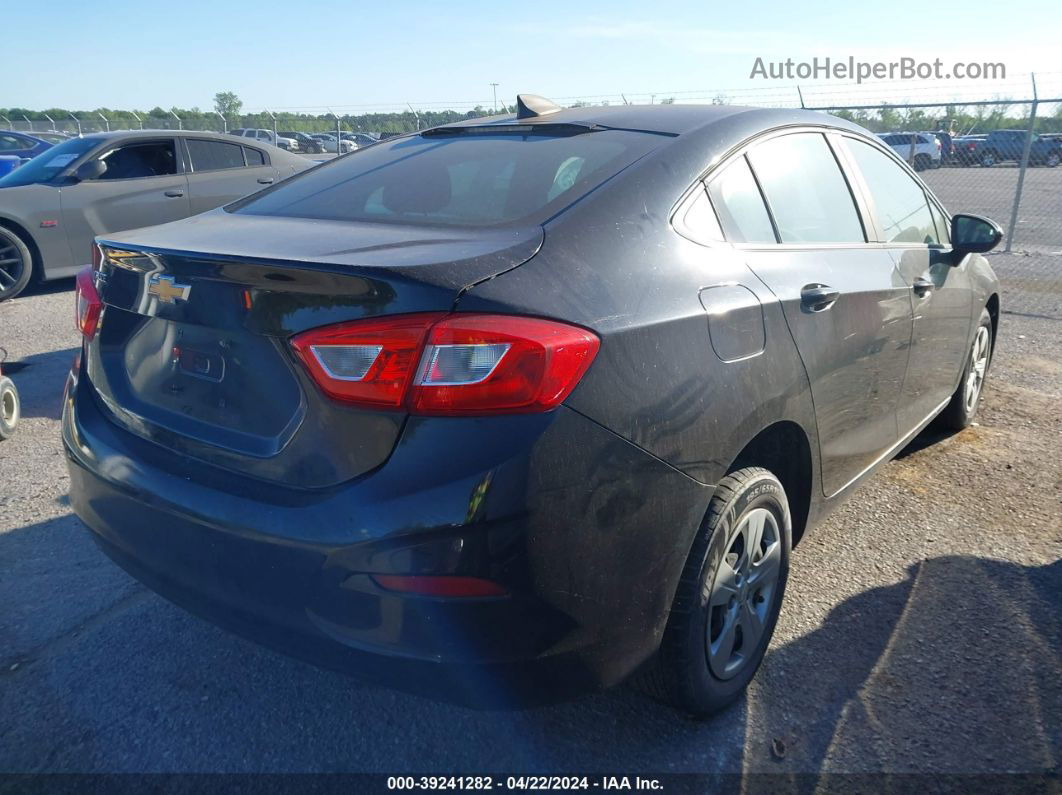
{"type": "Point", "coordinates": [21, 145]}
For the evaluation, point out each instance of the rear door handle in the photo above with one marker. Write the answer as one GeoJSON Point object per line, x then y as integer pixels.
{"type": "Point", "coordinates": [265, 180]}
{"type": "Point", "coordinates": [818, 297]}
{"type": "Point", "coordinates": [922, 287]}
{"type": "Point", "coordinates": [173, 194]}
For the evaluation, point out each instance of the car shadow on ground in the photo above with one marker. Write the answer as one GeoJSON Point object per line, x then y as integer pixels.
{"type": "Point", "coordinates": [39, 380]}
{"type": "Point", "coordinates": [955, 667]}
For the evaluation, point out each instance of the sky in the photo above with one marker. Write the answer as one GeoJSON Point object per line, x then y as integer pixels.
{"type": "Point", "coordinates": [375, 55]}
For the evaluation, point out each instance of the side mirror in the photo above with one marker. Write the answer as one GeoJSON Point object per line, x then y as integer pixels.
{"type": "Point", "coordinates": [93, 169]}
{"type": "Point", "coordinates": [972, 234]}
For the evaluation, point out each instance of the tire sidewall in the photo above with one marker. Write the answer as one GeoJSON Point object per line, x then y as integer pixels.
{"type": "Point", "coordinates": [7, 235]}
{"type": "Point", "coordinates": [7, 388]}
{"type": "Point", "coordinates": [965, 417]}
{"type": "Point", "coordinates": [705, 689]}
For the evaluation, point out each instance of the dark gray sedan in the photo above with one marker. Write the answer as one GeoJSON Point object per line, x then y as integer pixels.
{"type": "Point", "coordinates": [514, 407]}
{"type": "Point", "coordinates": [52, 207]}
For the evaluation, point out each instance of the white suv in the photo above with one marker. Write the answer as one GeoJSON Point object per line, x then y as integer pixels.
{"type": "Point", "coordinates": [926, 151]}
{"type": "Point", "coordinates": [267, 136]}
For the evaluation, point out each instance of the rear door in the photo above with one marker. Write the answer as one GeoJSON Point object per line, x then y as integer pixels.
{"type": "Point", "coordinates": [220, 172]}
{"type": "Point", "coordinates": [915, 230]}
{"type": "Point", "coordinates": [847, 307]}
{"type": "Point", "coordinates": [144, 185]}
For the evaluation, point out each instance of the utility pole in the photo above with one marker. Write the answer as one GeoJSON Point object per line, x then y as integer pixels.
{"type": "Point", "coordinates": [495, 87]}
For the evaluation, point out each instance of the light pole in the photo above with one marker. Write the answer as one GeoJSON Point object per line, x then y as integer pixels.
{"type": "Point", "coordinates": [495, 87]}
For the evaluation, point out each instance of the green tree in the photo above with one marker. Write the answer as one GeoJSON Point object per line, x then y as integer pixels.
{"type": "Point", "coordinates": [227, 103]}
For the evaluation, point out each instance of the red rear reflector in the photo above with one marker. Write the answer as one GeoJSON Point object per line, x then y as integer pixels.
{"type": "Point", "coordinates": [449, 364]}
{"type": "Point", "coordinates": [88, 307]}
{"type": "Point", "coordinates": [439, 586]}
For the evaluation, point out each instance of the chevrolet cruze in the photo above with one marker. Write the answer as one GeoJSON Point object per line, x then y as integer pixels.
{"type": "Point", "coordinates": [518, 407]}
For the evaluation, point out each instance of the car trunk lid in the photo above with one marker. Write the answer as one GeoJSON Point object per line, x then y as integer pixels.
{"type": "Point", "coordinates": [193, 352]}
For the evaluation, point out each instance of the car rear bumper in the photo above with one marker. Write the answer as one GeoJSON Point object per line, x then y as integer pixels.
{"type": "Point", "coordinates": [587, 532]}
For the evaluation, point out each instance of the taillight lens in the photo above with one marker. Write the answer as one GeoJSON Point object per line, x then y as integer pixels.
{"type": "Point", "coordinates": [443, 586]}
{"type": "Point", "coordinates": [88, 306]}
{"type": "Point", "coordinates": [449, 364]}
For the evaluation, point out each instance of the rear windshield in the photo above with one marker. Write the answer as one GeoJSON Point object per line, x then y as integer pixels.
{"type": "Point", "coordinates": [481, 179]}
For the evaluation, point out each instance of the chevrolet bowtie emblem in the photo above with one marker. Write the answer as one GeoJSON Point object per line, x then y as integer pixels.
{"type": "Point", "coordinates": [167, 290]}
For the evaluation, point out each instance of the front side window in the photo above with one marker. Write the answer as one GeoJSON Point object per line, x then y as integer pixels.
{"type": "Point", "coordinates": [214, 155]}
{"type": "Point", "coordinates": [806, 191]}
{"type": "Point", "coordinates": [902, 210]}
{"type": "Point", "coordinates": [737, 199]}
{"type": "Point", "coordinates": [458, 179]}
{"type": "Point", "coordinates": [133, 161]}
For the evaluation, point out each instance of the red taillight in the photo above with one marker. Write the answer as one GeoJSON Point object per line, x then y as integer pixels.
{"type": "Point", "coordinates": [431, 585]}
{"type": "Point", "coordinates": [449, 364]}
{"type": "Point", "coordinates": [89, 306]}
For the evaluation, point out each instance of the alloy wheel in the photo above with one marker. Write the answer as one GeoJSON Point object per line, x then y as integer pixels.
{"type": "Point", "coordinates": [978, 366]}
{"type": "Point", "coordinates": [742, 593]}
{"type": "Point", "coordinates": [12, 266]}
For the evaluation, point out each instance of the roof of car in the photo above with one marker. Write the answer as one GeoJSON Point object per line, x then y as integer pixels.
{"type": "Point", "coordinates": [668, 119]}
{"type": "Point", "coordinates": [102, 136]}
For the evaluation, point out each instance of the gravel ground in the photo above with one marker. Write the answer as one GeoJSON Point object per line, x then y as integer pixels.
{"type": "Point", "coordinates": [921, 631]}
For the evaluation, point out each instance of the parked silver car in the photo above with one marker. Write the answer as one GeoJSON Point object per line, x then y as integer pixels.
{"type": "Point", "coordinates": [52, 207]}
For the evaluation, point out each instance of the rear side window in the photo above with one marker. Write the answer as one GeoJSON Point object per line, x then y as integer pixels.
{"type": "Point", "coordinates": [806, 191]}
{"type": "Point", "coordinates": [214, 155]}
{"type": "Point", "coordinates": [254, 156]}
{"type": "Point", "coordinates": [154, 159]}
{"type": "Point", "coordinates": [465, 179]}
{"type": "Point", "coordinates": [902, 210]}
{"type": "Point", "coordinates": [739, 204]}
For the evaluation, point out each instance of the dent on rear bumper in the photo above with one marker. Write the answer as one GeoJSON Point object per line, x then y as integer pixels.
{"type": "Point", "coordinates": [588, 532]}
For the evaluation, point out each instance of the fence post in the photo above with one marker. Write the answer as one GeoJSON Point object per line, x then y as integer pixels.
{"type": "Point", "coordinates": [801, 95]}
{"type": "Point", "coordinates": [28, 122]}
{"type": "Point", "coordinates": [1021, 172]}
{"type": "Point", "coordinates": [180, 124]}
{"type": "Point", "coordinates": [224, 123]}
{"type": "Point", "coordinates": [9, 126]}
{"type": "Point", "coordinates": [138, 119]}
{"type": "Point", "coordinates": [105, 120]}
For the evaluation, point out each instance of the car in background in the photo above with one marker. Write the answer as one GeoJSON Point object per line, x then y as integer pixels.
{"type": "Point", "coordinates": [53, 206]}
{"type": "Point", "coordinates": [21, 145]}
{"type": "Point", "coordinates": [1000, 146]}
{"type": "Point", "coordinates": [328, 141]}
{"type": "Point", "coordinates": [924, 154]}
{"type": "Point", "coordinates": [303, 142]}
{"type": "Point", "coordinates": [964, 148]}
{"type": "Point", "coordinates": [361, 139]}
{"type": "Point", "coordinates": [424, 415]}
{"type": "Point", "coordinates": [266, 137]}
{"type": "Point", "coordinates": [52, 136]}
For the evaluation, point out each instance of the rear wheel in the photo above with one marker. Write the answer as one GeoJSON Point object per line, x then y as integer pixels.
{"type": "Point", "coordinates": [728, 600]}
{"type": "Point", "coordinates": [9, 407]}
{"type": "Point", "coordinates": [16, 264]}
{"type": "Point", "coordinates": [922, 162]}
{"type": "Point", "coordinates": [963, 406]}
{"type": "Point", "coordinates": [988, 159]}
{"type": "Point", "coordinates": [1052, 159]}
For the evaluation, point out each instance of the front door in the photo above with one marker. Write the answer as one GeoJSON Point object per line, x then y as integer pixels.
{"type": "Point", "coordinates": [916, 233]}
{"type": "Point", "coordinates": [141, 186]}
